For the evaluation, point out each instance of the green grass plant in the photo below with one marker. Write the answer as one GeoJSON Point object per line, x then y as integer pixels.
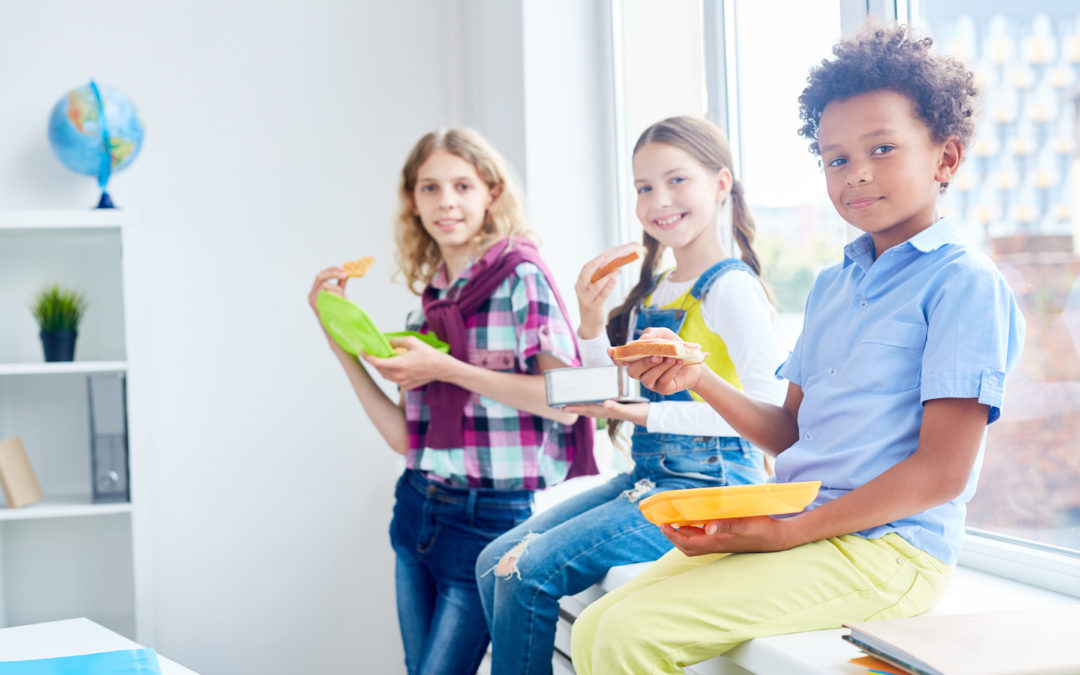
{"type": "Point", "coordinates": [58, 309]}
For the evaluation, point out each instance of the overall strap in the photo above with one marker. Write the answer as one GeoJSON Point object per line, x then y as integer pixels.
{"type": "Point", "coordinates": [709, 276]}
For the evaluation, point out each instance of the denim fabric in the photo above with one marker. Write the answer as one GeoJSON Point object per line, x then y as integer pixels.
{"type": "Point", "coordinates": [571, 546]}
{"type": "Point", "coordinates": [437, 533]}
{"type": "Point", "coordinates": [655, 317]}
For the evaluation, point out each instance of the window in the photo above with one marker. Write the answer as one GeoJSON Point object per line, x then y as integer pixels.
{"type": "Point", "coordinates": [799, 231]}
{"type": "Point", "coordinates": [659, 72]}
{"type": "Point", "coordinates": [1016, 198]}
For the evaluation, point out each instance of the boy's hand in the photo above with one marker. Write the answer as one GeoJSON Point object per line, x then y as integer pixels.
{"type": "Point", "coordinates": [662, 375]}
{"type": "Point", "coordinates": [418, 365]}
{"type": "Point", "coordinates": [638, 413]}
{"type": "Point", "coordinates": [755, 534]}
{"type": "Point", "coordinates": [331, 279]}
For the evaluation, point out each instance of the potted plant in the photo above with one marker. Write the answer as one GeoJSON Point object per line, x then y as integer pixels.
{"type": "Point", "coordinates": [58, 312]}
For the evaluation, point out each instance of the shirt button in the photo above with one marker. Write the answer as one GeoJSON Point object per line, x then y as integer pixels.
{"type": "Point", "coordinates": [994, 379]}
{"type": "Point", "coordinates": [863, 304]}
{"type": "Point", "coordinates": [808, 436]}
{"type": "Point", "coordinates": [832, 371]}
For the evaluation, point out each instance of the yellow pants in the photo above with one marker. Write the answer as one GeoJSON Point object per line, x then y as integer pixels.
{"type": "Point", "coordinates": [682, 610]}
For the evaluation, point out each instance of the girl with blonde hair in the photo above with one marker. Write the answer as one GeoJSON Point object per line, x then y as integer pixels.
{"type": "Point", "coordinates": [474, 426]}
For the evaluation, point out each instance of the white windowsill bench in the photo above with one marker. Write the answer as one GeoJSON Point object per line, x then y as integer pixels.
{"type": "Point", "coordinates": [818, 652]}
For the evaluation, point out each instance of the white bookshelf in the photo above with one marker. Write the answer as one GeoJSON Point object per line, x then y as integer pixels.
{"type": "Point", "coordinates": [76, 367]}
{"type": "Point", "coordinates": [63, 507]}
{"type": "Point", "coordinates": [66, 556]}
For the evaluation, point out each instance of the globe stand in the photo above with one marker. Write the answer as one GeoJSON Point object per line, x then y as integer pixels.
{"type": "Point", "coordinates": [105, 202]}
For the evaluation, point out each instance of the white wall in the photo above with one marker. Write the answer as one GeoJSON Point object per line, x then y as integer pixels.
{"type": "Point", "coordinates": [274, 133]}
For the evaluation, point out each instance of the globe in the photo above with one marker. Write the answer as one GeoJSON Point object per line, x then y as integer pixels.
{"type": "Point", "coordinates": [95, 130]}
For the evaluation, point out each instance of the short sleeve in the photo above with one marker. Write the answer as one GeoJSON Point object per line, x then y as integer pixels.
{"type": "Point", "coordinates": [791, 368]}
{"type": "Point", "coordinates": [540, 324]}
{"type": "Point", "coordinates": [975, 332]}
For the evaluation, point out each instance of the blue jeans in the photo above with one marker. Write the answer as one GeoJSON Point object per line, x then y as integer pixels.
{"type": "Point", "coordinates": [571, 546]}
{"type": "Point", "coordinates": [437, 532]}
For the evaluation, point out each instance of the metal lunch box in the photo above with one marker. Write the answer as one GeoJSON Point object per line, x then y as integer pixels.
{"type": "Point", "coordinates": [590, 384]}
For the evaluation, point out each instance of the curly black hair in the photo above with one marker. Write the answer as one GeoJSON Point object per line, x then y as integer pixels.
{"type": "Point", "coordinates": [890, 57]}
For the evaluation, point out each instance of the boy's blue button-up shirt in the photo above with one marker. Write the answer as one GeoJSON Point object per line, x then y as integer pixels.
{"type": "Point", "coordinates": [930, 318]}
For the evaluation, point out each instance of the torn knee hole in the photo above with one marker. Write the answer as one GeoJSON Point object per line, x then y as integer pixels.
{"type": "Point", "coordinates": [507, 565]}
{"type": "Point", "coordinates": [639, 490]}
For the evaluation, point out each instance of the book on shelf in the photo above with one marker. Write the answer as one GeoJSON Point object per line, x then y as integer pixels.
{"type": "Point", "coordinates": [1013, 642]}
{"type": "Point", "coordinates": [16, 477]}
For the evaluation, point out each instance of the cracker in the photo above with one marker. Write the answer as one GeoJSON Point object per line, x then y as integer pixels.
{"type": "Point", "coordinates": [359, 267]}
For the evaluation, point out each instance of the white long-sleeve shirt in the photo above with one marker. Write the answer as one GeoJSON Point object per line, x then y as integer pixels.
{"type": "Point", "coordinates": [736, 309]}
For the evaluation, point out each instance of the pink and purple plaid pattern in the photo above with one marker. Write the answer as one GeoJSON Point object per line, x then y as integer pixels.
{"type": "Point", "coordinates": [504, 448]}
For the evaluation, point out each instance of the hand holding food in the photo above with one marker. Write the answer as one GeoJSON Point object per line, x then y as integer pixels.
{"type": "Point", "coordinates": [687, 352]}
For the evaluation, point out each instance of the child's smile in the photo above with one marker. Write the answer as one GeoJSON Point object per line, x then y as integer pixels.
{"type": "Point", "coordinates": [669, 222]}
{"type": "Point", "coordinates": [883, 169]}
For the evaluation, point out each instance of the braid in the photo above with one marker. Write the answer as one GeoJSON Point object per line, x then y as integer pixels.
{"type": "Point", "coordinates": [618, 325]}
{"type": "Point", "coordinates": [742, 226]}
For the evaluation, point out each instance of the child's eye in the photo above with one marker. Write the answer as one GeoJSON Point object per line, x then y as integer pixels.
{"type": "Point", "coordinates": [463, 187]}
{"type": "Point", "coordinates": [838, 161]}
{"type": "Point", "coordinates": [427, 188]}
{"type": "Point", "coordinates": [677, 179]}
{"type": "Point", "coordinates": [882, 149]}
{"type": "Point", "coordinates": [643, 189]}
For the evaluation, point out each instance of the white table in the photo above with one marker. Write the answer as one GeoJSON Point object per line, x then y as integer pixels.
{"type": "Point", "coordinates": [70, 637]}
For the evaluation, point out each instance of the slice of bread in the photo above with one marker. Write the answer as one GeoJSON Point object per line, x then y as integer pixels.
{"type": "Point", "coordinates": [624, 255]}
{"type": "Point", "coordinates": [689, 352]}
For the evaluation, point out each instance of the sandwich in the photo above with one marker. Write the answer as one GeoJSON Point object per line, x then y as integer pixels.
{"type": "Point", "coordinates": [623, 255]}
{"type": "Point", "coordinates": [688, 352]}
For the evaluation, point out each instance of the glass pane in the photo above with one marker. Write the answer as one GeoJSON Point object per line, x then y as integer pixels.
{"type": "Point", "coordinates": [799, 232]}
{"type": "Point", "coordinates": [1016, 197]}
{"type": "Point", "coordinates": [664, 72]}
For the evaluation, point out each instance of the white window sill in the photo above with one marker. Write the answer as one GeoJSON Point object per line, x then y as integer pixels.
{"type": "Point", "coordinates": [823, 652]}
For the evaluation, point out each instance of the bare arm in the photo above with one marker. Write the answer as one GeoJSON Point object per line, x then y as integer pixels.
{"type": "Point", "coordinates": [771, 427]}
{"type": "Point", "coordinates": [935, 473]}
{"type": "Point", "coordinates": [388, 416]}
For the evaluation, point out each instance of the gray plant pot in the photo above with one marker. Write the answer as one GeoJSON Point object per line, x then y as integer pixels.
{"type": "Point", "coordinates": [59, 345]}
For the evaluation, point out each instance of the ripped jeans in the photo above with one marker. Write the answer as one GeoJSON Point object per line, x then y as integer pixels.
{"type": "Point", "coordinates": [571, 546]}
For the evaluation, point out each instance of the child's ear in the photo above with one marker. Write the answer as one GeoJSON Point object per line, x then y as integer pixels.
{"type": "Point", "coordinates": [494, 193]}
{"type": "Point", "coordinates": [724, 181]}
{"type": "Point", "coordinates": [952, 152]}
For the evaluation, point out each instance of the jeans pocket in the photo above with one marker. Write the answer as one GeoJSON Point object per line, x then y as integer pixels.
{"type": "Point", "coordinates": [490, 522]}
{"type": "Point", "coordinates": [697, 465]}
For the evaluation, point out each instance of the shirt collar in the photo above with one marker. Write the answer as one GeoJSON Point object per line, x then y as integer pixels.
{"type": "Point", "coordinates": [937, 235]}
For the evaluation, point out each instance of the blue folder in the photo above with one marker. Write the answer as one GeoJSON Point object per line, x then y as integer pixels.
{"type": "Point", "coordinates": [121, 662]}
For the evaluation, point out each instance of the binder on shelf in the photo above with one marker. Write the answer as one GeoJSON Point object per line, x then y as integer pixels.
{"type": "Point", "coordinates": [107, 395]}
{"type": "Point", "coordinates": [16, 477]}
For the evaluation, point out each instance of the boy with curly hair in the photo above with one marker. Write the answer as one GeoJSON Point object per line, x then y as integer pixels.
{"type": "Point", "coordinates": [900, 366]}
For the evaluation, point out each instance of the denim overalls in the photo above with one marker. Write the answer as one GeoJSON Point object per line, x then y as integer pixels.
{"type": "Point", "coordinates": [713, 460]}
{"type": "Point", "coordinates": [572, 545]}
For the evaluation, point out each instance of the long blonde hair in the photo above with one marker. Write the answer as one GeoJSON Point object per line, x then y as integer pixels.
{"type": "Point", "coordinates": [417, 254]}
